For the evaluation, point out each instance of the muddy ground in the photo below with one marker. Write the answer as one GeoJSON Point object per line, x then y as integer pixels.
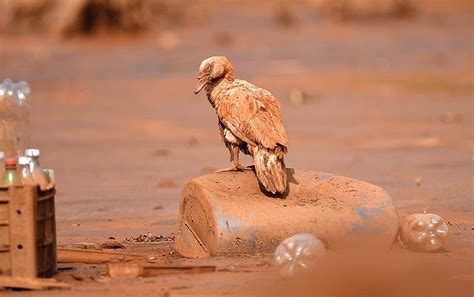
{"type": "Point", "coordinates": [386, 101]}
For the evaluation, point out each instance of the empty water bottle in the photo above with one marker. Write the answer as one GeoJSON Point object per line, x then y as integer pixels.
{"type": "Point", "coordinates": [298, 253]}
{"type": "Point", "coordinates": [14, 117]}
{"type": "Point", "coordinates": [2, 163]}
{"type": "Point", "coordinates": [25, 173]}
{"type": "Point", "coordinates": [424, 232]}
{"type": "Point", "coordinates": [37, 173]}
{"type": "Point", "coordinates": [10, 177]}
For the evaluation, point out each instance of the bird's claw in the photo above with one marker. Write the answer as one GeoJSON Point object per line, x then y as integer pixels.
{"type": "Point", "coordinates": [234, 168]}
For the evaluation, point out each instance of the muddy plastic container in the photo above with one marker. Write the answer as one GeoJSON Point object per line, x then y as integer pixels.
{"type": "Point", "coordinates": [27, 232]}
{"type": "Point", "coordinates": [226, 214]}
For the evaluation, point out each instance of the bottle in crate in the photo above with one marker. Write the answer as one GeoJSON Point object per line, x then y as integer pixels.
{"type": "Point", "coordinates": [2, 163]}
{"type": "Point", "coordinates": [14, 117]}
{"type": "Point", "coordinates": [27, 232]}
{"type": "Point", "coordinates": [36, 171]}
{"type": "Point", "coordinates": [10, 176]}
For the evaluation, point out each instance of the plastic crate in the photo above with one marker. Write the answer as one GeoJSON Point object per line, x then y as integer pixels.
{"type": "Point", "coordinates": [27, 232]}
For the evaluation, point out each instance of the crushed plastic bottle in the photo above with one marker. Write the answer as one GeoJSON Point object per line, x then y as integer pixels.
{"type": "Point", "coordinates": [10, 177]}
{"type": "Point", "coordinates": [298, 253]}
{"type": "Point", "coordinates": [37, 173]}
{"type": "Point", "coordinates": [425, 232]}
{"type": "Point", "coordinates": [14, 117]}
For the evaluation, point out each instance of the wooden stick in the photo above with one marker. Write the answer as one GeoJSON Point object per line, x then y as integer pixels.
{"type": "Point", "coordinates": [31, 283]}
{"type": "Point", "coordinates": [95, 257]}
{"type": "Point", "coordinates": [120, 270]}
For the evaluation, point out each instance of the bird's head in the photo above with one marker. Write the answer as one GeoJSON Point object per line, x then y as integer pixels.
{"type": "Point", "coordinates": [213, 69]}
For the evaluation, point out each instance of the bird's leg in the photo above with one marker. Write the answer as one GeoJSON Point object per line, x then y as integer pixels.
{"type": "Point", "coordinates": [234, 159]}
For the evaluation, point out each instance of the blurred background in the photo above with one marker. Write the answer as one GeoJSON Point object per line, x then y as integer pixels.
{"type": "Point", "coordinates": [379, 90]}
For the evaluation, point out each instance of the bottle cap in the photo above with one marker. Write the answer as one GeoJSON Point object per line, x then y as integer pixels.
{"type": "Point", "coordinates": [24, 160]}
{"type": "Point", "coordinates": [32, 152]}
{"type": "Point", "coordinates": [2, 155]}
{"type": "Point", "coordinates": [10, 162]}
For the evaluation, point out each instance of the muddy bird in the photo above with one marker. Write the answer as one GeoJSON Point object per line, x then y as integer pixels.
{"type": "Point", "coordinates": [249, 121]}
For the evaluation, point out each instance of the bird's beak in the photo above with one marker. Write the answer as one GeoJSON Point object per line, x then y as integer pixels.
{"type": "Point", "coordinates": [202, 83]}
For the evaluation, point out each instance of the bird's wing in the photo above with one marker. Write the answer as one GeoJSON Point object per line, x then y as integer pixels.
{"type": "Point", "coordinates": [253, 115]}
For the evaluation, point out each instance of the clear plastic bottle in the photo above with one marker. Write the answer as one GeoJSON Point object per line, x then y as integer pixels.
{"type": "Point", "coordinates": [10, 177]}
{"type": "Point", "coordinates": [25, 173]}
{"type": "Point", "coordinates": [37, 173]}
{"type": "Point", "coordinates": [298, 253]}
{"type": "Point", "coordinates": [424, 232]}
{"type": "Point", "coordinates": [2, 163]}
{"type": "Point", "coordinates": [14, 117]}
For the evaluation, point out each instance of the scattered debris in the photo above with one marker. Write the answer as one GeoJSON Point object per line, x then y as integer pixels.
{"type": "Point", "coordinates": [298, 97]}
{"type": "Point", "coordinates": [192, 141]}
{"type": "Point", "coordinates": [150, 237]}
{"type": "Point", "coordinates": [66, 268]}
{"type": "Point", "coordinates": [285, 17]}
{"type": "Point", "coordinates": [31, 283]}
{"type": "Point", "coordinates": [149, 270]}
{"type": "Point", "coordinates": [95, 257]}
{"type": "Point", "coordinates": [368, 10]}
{"type": "Point", "coordinates": [161, 153]}
{"type": "Point", "coordinates": [167, 185]}
{"type": "Point", "coordinates": [112, 244]}
{"type": "Point", "coordinates": [418, 181]}
{"type": "Point", "coordinates": [82, 245]}
{"type": "Point", "coordinates": [81, 275]}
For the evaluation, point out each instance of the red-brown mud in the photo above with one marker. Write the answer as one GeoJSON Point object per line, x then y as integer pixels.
{"type": "Point", "coordinates": [389, 102]}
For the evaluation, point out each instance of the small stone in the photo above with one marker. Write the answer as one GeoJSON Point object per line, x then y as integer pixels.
{"type": "Point", "coordinates": [112, 245]}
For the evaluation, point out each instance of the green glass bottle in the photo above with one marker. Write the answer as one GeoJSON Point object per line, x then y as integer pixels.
{"type": "Point", "coordinates": [10, 177]}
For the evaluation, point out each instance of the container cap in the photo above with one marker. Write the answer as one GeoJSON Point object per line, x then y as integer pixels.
{"type": "Point", "coordinates": [10, 162]}
{"type": "Point", "coordinates": [32, 152]}
{"type": "Point", "coordinates": [24, 160]}
{"type": "Point", "coordinates": [2, 155]}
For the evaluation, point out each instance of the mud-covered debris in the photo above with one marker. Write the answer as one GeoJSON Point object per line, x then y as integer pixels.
{"type": "Point", "coordinates": [298, 97]}
{"type": "Point", "coordinates": [418, 181]}
{"type": "Point", "coordinates": [285, 17]}
{"type": "Point", "coordinates": [132, 270]}
{"type": "Point", "coordinates": [150, 237]}
{"type": "Point", "coordinates": [161, 153]}
{"type": "Point", "coordinates": [86, 245]}
{"type": "Point", "coordinates": [81, 275]}
{"type": "Point", "coordinates": [31, 283]}
{"type": "Point", "coordinates": [364, 10]}
{"type": "Point", "coordinates": [94, 257]}
{"type": "Point", "coordinates": [112, 244]}
{"type": "Point", "coordinates": [167, 184]}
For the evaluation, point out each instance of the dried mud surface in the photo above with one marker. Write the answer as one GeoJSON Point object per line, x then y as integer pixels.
{"type": "Point", "coordinates": [388, 102]}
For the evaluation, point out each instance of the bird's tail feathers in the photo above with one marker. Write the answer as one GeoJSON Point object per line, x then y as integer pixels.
{"type": "Point", "coordinates": [270, 169]}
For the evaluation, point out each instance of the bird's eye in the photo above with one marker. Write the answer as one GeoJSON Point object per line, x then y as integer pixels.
{"type": "Point", "coordinates": [209, 68]}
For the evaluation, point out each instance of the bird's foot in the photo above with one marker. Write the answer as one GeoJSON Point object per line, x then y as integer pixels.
{"type": "Point", "coordinates": [234, 168]}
